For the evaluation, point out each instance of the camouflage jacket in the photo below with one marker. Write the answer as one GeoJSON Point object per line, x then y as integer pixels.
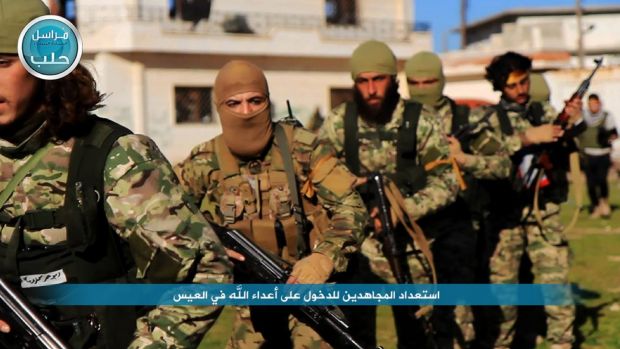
{"type": "Point", "coordinates": [519, 123]}
{"type": "Point", "coordinates": [144, 205]}
{"type": "Point", "coordinates": [490, 160]}
{"type": "Point", "coordinates": [377, 155]}
{"type": "Point", "coordinates": [318, 173]}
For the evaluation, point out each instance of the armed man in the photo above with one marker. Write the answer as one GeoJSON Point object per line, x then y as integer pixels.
{"type": "Point", "coordinates": [381, 133]}
{"type": "Point", "coordinates": [85, 201]}
{"type": "Point", "coordinates": [283, 188]}
{"type": "Point", "coordinates": [523, 225]}
{"type": "Point", "coordinates": [454, 249]}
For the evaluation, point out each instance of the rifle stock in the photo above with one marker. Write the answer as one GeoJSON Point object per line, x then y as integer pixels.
{"type": "Point", "coordinates": [325, 320]}
{"type": "Point", "coordinates": [23, 318]}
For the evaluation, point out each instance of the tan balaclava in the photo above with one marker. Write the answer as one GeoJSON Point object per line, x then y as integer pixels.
{"type": "Point", "coordinates": [425, 65]}
{"type": "Point", "coordinates": [539, 90]}
{"type": "Point", "coordinates": [372, 56]}
{"type": "Point", "coordinates": [245, 134]}
{"type": "Point", "coordinates": [14, 15]}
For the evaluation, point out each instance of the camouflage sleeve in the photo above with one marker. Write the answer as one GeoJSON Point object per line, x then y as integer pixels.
{"type": "Point", "coordinates": [332, 130]}
{"type": "Point", "coordinates": [192, 171]}
{"type": "Point", "coordinates": [490, 158]}
{"type": "Point", "coordinates": [333, 184]}
{"type": "Point", "coordinates": [441, 184]}
{"type": "Point", "coordinates": [550, 114]}
{"type": "Point", "coordinates": [167, 237]}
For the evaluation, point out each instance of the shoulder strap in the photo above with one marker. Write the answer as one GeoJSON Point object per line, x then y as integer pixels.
{"type": "Point", "coordinates": [227, 162]}
{"type": "Point", "coordinates": [351, 141]}
{"type": "Point", "coordinates": [536, 113]}
{"type": "Point", "coordinates": [298, 208]}
{"type": "Point", "coordinates": [504, 122]}
{"type": "Point", "coordinates": [460, 116]}
{"type": "Point", "coordinates": [85, 178]}
{"type": "Point", "coordinates": [406, 144]}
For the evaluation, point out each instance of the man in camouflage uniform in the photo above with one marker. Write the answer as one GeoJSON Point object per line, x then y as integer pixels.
{"type": "Point", "coordinates": [523, 123]}
{"type": "Point", "coordinates": [454, 249]}
{"type": "Point", "coordinates": [240, 180]}
{"type": "Point", "coordinates": [380, 114]}
{"type": "Point", "coordinates": [127, 220]}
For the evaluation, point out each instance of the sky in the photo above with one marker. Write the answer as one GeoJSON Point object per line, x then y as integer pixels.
{"type": "Point", "coordinates": [444, 15]}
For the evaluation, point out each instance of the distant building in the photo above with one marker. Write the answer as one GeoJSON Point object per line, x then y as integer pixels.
{"type": "Point", "coordinates": [549, 37]}
{"type": "Point", "coordinates": [157, 59]}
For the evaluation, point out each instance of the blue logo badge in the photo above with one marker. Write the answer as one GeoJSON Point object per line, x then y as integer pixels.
{"type": "Point", "coordinates": [50, 47]}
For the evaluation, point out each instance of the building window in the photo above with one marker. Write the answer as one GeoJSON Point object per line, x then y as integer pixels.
{"type": "Point", "coordinates": [340, 95]}
{"type": "Point", "coordinates": [341, 12]}
{"type": "Point", "coordinates": [189, 10]}
{"type": "Point", "coordinates": [193, 105]}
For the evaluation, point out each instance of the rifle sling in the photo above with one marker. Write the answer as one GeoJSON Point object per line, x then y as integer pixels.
{"type": "Point", "coordinates": [575, 175]}
{"type": "Point", "coordinates": [298, 208]}
{"type": "Point", "coordinates": [397, 203]}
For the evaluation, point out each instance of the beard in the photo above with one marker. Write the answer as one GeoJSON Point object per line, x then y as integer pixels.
{"type": "Point", "coordinates": [381, 114]}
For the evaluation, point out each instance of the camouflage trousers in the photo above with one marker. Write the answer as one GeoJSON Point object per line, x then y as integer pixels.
{"type": "Point", "coordinates": [548, 250]}
{"type": "Point", "coordinates": [288, 332]}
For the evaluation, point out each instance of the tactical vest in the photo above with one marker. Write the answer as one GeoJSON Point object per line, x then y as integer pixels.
{"type": "Point", "coordinates": [93, 253]}
{"type": "Point", "coordinates": [265, 204]}
{"type": "Point", "coordinates": [460, 118]}
{"type": "Point", "coordinates": [410, 175]}
{"type": "Point", "coordinates": [595, 136]}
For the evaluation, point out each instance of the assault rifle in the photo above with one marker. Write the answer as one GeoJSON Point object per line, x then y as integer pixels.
{"type": "Point", "coordinates": [541, 158]}
{"type": "Point", "coordinates": [28, 328]}
{"type": "Point", "coordinates": [394, 247]}
{"type": "Point", "coordinates": [466, 131]}
{"type": "Point", "coordinates": [267, 268]}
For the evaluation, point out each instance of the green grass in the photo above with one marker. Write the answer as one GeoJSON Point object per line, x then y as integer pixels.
{"type": "Point", "coordinates": [595, 271]}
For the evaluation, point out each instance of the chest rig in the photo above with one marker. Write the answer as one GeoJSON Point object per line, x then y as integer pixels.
{"type": "Point", "coordinates": [410, 175]}
{"type": "Point", "coordinates": [263, 200]}
{"type": "Point", "coordinates": [92, 253]}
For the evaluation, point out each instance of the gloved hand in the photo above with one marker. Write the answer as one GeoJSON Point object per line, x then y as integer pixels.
{"type": "Point", "coordinates": [313, 269]}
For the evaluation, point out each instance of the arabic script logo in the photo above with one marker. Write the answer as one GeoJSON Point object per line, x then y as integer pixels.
{"type": "Point", "coordinates": [50, 47]}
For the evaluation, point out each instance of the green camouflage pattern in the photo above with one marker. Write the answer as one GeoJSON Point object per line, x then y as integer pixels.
{"type": "Point", "coordinates": [488, 163]}
{"type": "Point", "coordinates": [142, 199]}
{"type": "Point", "coordinates": [377, 155]}
{"type": "Point", "coordinates": [546, 247]}
{"type": "Point", "coordinates": [199, 174]}
{"type": "Point", "coordinates": [520, 124]}
{"type": "Point", "coordinates": [490, 160]}
{"type": "Point", "coordinates": [199, 171]}
{"type": "Point", "coordinates": [245, 337]}
{"type": "Point", "coordinates": [549, 252]}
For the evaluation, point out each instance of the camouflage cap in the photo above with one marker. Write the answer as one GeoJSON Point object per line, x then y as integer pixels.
{"type": "Point", "coordinates": [373, 56]}
{"type": "Point", "coordinates": [14, 15]}
{"type": "Point", "coordinates": [539, 90]}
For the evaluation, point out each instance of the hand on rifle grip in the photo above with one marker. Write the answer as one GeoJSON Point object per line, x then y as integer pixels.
{"type": "Point", "coordinates": [4, 327]}
{"type": "Point", "coordinates": [573, 109]}
{"type": "Point", "coordinates": [235, 255]}
{"type": "Point", "coordinates": [376, 222]}
{"type": "Point", "coordinates": [542, 134]}
{"type": "Point", "coordinates": [360, 181]}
